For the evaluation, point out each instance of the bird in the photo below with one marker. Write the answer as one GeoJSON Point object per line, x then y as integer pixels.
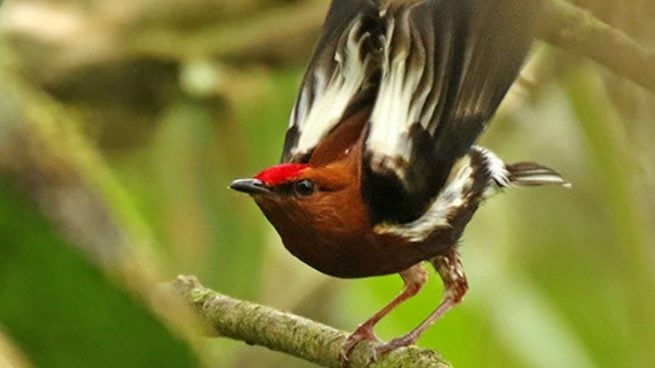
{"type": "Point", "coordinates": [380, 170]}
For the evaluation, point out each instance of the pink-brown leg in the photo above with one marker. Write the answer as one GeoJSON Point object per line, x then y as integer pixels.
{"type": "Point", "coordinates": [450, 269]}
{"type": "Point", "coordinates": [414, 278]}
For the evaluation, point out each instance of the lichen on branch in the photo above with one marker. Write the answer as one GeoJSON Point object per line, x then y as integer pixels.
{"type": "Point", "coordinates": [287, 333]}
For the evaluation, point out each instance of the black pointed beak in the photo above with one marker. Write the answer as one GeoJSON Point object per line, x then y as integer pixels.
{"type": "Point", "coordinates": [250, 186]}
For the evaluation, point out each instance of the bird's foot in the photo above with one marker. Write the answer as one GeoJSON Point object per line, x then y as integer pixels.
{"type": "Point", "coordinates": [394, 344]}
{"type": "Point", "coordinates": [362, 333]}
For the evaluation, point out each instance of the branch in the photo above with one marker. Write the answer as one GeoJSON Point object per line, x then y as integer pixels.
{"type": "Point", "coordinates": [570, 27]}
{"type": "Point", "coordinates": [260, 325]}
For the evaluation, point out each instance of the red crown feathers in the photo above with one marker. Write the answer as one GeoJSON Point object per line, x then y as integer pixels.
{"type": "Point", "coordinates": [279, 174]}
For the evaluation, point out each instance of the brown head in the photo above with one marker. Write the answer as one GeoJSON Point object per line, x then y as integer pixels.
{"type": "Point", "coordinates": [318, 208]}
{"type": "Point", "coordinates": [315, 209]}
{"type": "Point", "coordinates": [319, 200]}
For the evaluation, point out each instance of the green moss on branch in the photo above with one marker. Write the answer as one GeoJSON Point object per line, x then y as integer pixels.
{"type": "Point", "coordinates": [260, 325]}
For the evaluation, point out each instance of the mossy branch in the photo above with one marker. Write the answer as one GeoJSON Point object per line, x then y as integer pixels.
{"type": "Point", "coordinates": [264, 326]}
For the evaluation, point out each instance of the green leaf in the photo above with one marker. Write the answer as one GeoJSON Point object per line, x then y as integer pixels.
{"type": "Point", "coordinates": [61, 310]}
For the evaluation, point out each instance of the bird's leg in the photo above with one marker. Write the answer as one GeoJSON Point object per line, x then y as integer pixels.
{"type": "Point", "coordinates": [414, 278]}
{"type": "Point", "coordinates": [450, 269]}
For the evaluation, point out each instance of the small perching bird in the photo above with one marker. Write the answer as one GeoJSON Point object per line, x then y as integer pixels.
{"type": "Point", "coordinates": [379, 170]}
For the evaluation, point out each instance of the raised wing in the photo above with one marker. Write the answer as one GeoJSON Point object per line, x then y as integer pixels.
{"type": "Point", "coordinates": [446, 66]}
{"type": "Point", "coordinates": [339, 76]}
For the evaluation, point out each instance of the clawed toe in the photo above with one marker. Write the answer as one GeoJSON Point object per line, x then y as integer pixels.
{"type": "Point", "coordinates": [362, 333]}
{"type": "Point", "coordinates": [393, 345]}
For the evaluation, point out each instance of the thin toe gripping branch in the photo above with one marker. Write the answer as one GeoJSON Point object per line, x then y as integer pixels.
{"type": "Point", "coordinates": [414, 278]}
{"type": "Point", "coordinates": [287, 333]}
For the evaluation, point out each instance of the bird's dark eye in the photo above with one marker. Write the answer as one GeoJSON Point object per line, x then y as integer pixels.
{"type": "Point", "coordinates": [304, 187]}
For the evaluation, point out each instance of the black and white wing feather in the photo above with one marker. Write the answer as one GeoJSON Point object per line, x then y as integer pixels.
{"type": "Point", "coordinates": [339, 77]}
{"type": "Point", "coordinates": [447, 64]}
{"type": "Point", "coordinates": [432, 72]}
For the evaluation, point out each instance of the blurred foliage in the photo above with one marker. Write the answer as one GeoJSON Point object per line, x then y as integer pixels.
{"type": "Point", "coordinates": [62, 311]}
{"type": "Point", "coordinates": [175, 99]}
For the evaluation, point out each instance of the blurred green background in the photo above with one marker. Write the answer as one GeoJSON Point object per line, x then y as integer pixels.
{"type": "Point", "coordinates": [123, 122]}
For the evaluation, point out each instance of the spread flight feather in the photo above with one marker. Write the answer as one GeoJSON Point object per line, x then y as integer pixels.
{"type": "Point", "coordinates": [432, 72]}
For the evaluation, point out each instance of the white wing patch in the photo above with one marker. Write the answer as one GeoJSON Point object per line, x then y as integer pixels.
{"type": "Point", "coordinates": [496, 167]}
{"type": "Point", "coordinates": [458, 190]}
{"type": "Point", "coordinates": [451, 198]}
{"type": "Point", "coordinates": [397, 106]}
{"type": "Point", "coordinates": [499, 175]}
{"type": "Point", "coordinates": [332, 93]}
{"type": "Point", "coordinates": [526, 174]}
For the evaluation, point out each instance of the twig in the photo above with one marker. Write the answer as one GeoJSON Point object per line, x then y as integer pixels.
{"type": "Point", "coordinates": [570, 27]}
{"type": "Point", "coordinates": [260, 325]}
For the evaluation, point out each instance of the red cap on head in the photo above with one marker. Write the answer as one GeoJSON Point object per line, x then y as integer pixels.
{"type": "Point", "coordinates": [280, 173]}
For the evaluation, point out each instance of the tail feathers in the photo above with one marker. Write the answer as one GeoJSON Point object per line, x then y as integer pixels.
{"type": "Point", "coordinates": [529, 174]}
